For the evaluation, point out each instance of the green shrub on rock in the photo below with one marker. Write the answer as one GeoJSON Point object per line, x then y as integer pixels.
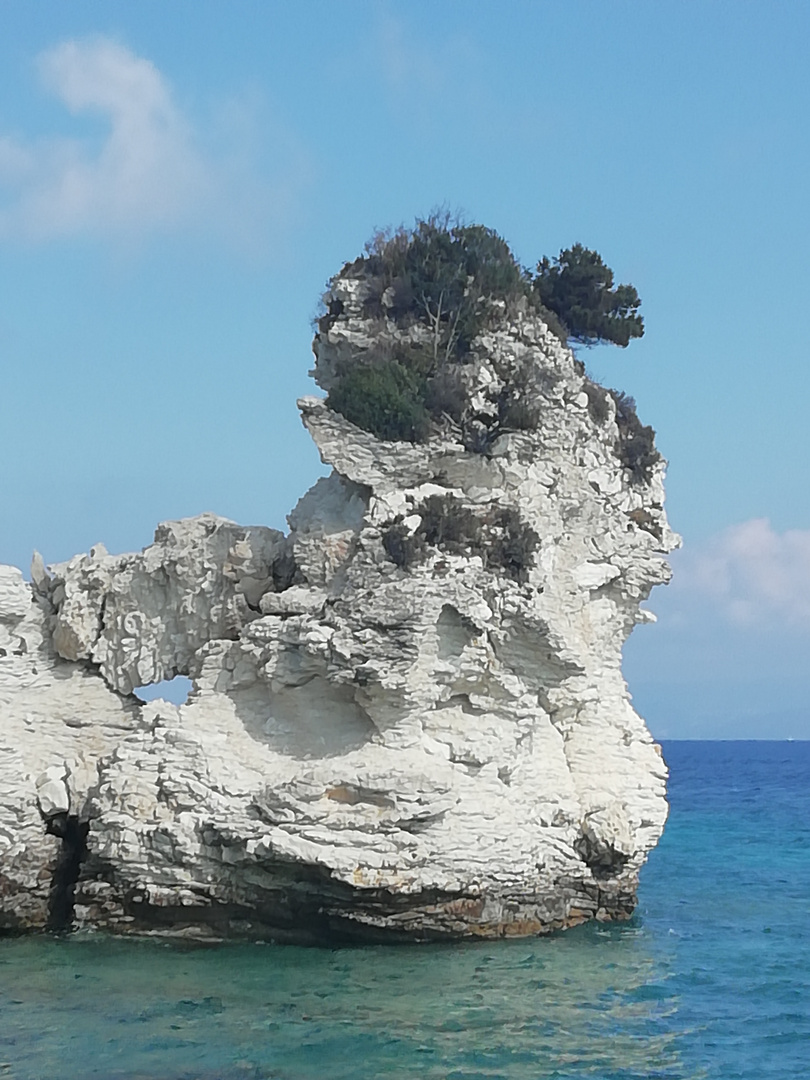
{"type": "Point", "coordinates": [512, 546]}
{"type": "Point", "coordinates": [445, 275]}
{"type": "Point", "coordinates": [442, 284]}
{"type": "Point", "coordinates": [636, 442]}
{"type": "Point", "coordinates": [499, 537]}
{"type": "Point", "coordinates": [386, 399]}
{"type": "Point", "coordinates": [402, 547]}
{"type": "Point", "coordinates": [448, 524]}
{"type": "Point", "coordinates": [597, 402]}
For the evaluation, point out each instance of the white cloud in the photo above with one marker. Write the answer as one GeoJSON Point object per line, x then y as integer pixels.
{"type": "Point", "coordinates": [149, 172]}
{"type": "Point", "coordinates": [750, 575]}
{"type": "Point", "coordinates": [433, 80]}
{"type": "Point", "coordinates": [408, 65]}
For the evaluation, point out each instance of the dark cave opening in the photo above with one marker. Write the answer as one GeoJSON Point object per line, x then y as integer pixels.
{"type": "Point", "coordinates": [73, 834]}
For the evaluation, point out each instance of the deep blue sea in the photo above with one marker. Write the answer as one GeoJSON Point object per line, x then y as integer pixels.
{"type": "Point", "coordinates": [710, 980]}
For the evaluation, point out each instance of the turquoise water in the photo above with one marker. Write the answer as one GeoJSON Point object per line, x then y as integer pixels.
{"type": "Point", "coordinates": [710, 980]}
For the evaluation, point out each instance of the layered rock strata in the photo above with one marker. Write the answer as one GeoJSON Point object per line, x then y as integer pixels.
{"type": "Point", "coordinates": [408, 718]}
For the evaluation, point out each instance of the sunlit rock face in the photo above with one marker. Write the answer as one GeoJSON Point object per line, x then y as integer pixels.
{"type": "Point", "coordinates": [408, 718]}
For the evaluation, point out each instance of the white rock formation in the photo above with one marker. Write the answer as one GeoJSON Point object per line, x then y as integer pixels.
{"type": "Point", "coordinates": [408, 718]}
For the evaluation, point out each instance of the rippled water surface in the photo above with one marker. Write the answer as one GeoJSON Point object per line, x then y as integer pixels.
{"type": "Point", "coordinates": [711, 979]}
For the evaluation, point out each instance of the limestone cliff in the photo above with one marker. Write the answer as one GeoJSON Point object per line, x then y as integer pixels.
{"type": "Point", "coordinates": [408, 717]}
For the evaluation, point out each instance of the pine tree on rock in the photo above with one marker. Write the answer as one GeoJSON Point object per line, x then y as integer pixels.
{"type": "Point", "coordinates": [578, 287]}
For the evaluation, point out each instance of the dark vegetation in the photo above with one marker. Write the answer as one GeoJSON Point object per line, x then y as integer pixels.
{"type": "Point", "coordinates": [452, 282]}
{"type": "Point", "coordinates": [499, 536]}
{"type": "Point", "coordinates": [636, 443]}
{"type": "Point", "coordinates": [578, 286]}
{"type": "Point", "coordinates": [597, 402]}
{"type": "Point", "coordinates": [387, 398]}
{"type": "Point", "coordinates": [447, 275]}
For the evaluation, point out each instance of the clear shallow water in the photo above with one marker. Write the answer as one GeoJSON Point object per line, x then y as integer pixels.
{"type": "Point", "coordinates": [710, 980]}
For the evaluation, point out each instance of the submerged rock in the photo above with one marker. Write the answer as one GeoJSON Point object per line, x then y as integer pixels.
{"type": "Point", "coordinates": [408, 718]}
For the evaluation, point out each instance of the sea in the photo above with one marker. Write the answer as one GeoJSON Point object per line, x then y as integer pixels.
{"type": "Point", "coordinates": [710, 979]}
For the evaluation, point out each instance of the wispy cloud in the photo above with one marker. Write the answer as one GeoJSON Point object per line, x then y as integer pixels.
{"type": "Point", "coordinates": [408, 65]}
{"type": "Point", "coordinates": [152, 171]}
{"type": "Point", "coordinates": [750, 575]}
{"type": "Point", "coordinates": [431, 79]}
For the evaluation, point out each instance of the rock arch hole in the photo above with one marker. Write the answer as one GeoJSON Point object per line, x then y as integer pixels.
{"type": "Point", "coordinates": [176, 690]}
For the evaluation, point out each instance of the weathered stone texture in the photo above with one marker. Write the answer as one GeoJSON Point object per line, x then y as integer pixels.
{"type": "Point", "coordinates": [371, 750]}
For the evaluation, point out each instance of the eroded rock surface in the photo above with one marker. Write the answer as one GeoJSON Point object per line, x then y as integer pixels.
{"type": "Point", "coordinates": [408, 717]}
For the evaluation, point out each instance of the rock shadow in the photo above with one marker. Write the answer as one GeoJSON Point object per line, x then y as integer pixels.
{"type": "Point", "coordinates": [73, 834]}
{"type": "Point", "coordinates": [315, 719]}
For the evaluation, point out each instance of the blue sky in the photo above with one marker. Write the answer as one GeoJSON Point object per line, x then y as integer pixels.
{"type": "Point", "coordinates": [178, 181]}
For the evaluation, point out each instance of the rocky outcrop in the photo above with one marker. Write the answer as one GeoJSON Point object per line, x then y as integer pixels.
{"type": "Point", "coordinates": [408, 717]}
